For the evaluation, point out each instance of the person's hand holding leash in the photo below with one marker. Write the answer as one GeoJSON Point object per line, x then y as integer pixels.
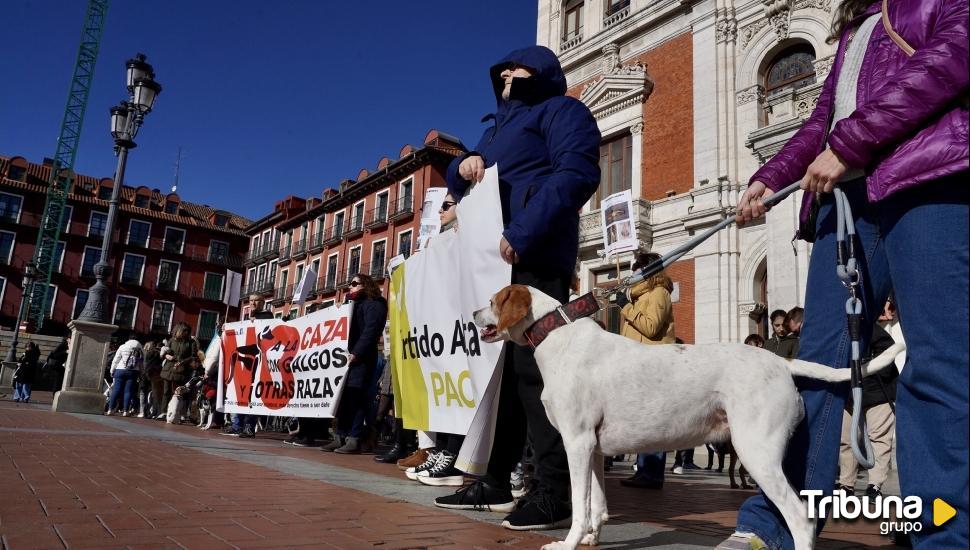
{"type": "Point", "coordinates": [751, 205]}
{"type": "Point", "coordinates": [472, 169]}
{"type": "Point", "coordinates": [824, 172]}
{"type": "Point", "coordinates": [508, 253]}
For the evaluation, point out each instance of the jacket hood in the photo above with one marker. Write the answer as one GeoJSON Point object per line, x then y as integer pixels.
{"type": "Point", "coordinates": [644, 287]}
{"type": "Point", "coordinates": [547, 80]}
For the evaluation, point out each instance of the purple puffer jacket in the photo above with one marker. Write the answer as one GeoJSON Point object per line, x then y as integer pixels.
{"type": "Point", "coordinates": [908, 127]}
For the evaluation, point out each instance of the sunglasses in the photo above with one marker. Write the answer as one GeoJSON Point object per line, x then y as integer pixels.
{"type": "Point", "coordinates": [446, 206]}
{"type": "Point", "coordinates": [355, 283]}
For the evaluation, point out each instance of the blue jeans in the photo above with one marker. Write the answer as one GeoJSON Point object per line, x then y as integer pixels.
{"type": "Point", "coordinates": [239, 421]}
{"type": "Point", "coordinates": [914, 243]}
{"type": "Point", "coordinates": [651, 466]}
{"type": "Point", "coordinates": [21, 391]}
{"type": "Point", "coordinates": [124, 382]}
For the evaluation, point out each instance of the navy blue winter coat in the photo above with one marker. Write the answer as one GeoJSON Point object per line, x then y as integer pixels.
{"type": "Point", "coordinates": [546, 146]}
{"type": "Point", "coordinates": [366, 328]}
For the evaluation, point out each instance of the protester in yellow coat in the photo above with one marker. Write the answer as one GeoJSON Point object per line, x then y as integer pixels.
{"type": "Point", "coordinates": [649, 317]}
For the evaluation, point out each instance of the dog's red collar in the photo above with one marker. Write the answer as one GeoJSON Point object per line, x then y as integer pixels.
{"type": "Point", "coordinates": [584, 306]}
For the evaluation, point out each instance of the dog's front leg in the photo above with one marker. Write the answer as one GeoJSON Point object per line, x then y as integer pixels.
{"type": "Point", "coordinates": [579, 452]}
{"type": "Point", "coordinates": [598, 514]}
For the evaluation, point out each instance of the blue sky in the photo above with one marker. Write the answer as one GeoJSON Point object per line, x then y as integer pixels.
{"type": "Point", "coordinates": [265, 98]}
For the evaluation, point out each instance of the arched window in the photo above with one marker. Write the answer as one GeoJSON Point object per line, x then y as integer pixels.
{"type": "Point", "coordinates": [793, 68]}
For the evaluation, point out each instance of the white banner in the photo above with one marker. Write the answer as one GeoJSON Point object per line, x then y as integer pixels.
{"type": "Point", "coordinates": [304, 287]}
{"type": "Point", "coordinates": [430, 221]}
{"type": "Point", "coordinates": [292, 368]}
{"type": "Point", "coordinates": [441, 366]}
{"type": "Point", "coordinates": [230, 296]}
{"type": "Point", "coordinates": [619, 234]}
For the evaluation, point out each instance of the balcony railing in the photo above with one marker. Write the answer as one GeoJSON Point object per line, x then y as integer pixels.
{"type": "Point", "coordinates": [402, 207]}
{"type": "Point", "coordinates": [572, 41]}
{"type": "Point", "coordinates": [327, 283]}
{"type": "Point", "coordinates": [355, 227]}
{"type": "Point", "coordinates": [316, 241]}
{"type": "Point", "coordinates": [212, 294]}
{"type": "Point", "coordinates": [260, 288]}
{"type": "Point", "coordinates": [285, 250]}
{"type": "Point", "coordinates": [619, 12]}
{"type": "Point", "coordinates": [265, 251]}
{"type": "Point", "coordinates": [280, 294]}
{"type": "Point", "coordinates": [299, 249]}
{"type": "Point", "coordinates": [333, 235]}
{"type": "Point", "coordinates": [376, 217]}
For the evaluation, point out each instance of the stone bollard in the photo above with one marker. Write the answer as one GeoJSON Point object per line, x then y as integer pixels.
{"type": "Point", "coordinates": [83, 389]}
{"type": "Point", "coordinates": [6, 375]}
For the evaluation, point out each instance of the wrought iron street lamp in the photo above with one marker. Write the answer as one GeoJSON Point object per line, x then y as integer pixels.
{"type": "Point", "coordinates": [126, 119]}
{"type": "Point", "coordinates": [30, 275]}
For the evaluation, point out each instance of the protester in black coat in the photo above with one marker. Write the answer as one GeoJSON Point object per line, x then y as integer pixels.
{"type": "Point", "coordinates": [23, 377]}
{"type": "Point", "coordinates": [366, 327]}
{"type": "Point", "coordinates": [55, 365]}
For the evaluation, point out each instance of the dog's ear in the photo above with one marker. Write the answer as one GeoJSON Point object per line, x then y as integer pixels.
{"type": "Point", "coordinates": [512, 304]}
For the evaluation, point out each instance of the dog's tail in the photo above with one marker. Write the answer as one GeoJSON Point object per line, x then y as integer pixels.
{"type": "Point", "coordinates": [826, 374]}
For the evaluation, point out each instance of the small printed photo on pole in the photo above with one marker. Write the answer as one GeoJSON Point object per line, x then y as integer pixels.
{"type": "Point", "coordinates": [611, 234]}
{"type": "Point", "coordinates": [617, 212]}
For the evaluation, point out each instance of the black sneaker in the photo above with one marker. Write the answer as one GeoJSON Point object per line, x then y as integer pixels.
{"type": "Point", "coordinates": [872, 491]}
{"type": "Point", "coordinates": [478, 496]}
{"type": "Point", "coordinates": [247, 432]}
{"type": "Point", "coordinates": [539, 509]}
{"type": "Point", "coordinates": [232, 433]}
{"type": "Point", "coordinates": [412, 473]}
{"type": "Point", "coordinates": [443, 473]}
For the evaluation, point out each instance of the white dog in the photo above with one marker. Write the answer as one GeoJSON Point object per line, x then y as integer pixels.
{"type": "Point", "coordinates": [610, 395]}
{"type": "Point", "coordinates": [178, 406]}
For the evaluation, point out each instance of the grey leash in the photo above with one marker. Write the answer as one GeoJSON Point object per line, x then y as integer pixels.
{"type": "Point", "coordinates": [847, 272]}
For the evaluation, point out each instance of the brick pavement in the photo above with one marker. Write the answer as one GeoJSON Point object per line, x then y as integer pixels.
{"type": "Point", "coordinates": [72, 481]}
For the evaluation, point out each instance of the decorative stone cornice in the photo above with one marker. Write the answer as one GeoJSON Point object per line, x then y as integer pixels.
{"type": "Point", "coordinates": [823, 66]}
{"type": "Point", "coordinates": [636, 128]}
{"type": "Point", "coordinates": [620, 86]}
{"type": "Point", "coordinates": [753, 93]}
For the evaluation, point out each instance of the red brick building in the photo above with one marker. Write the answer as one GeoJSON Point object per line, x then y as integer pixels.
{"type": "Point", "coordinates": [170, 256]}
{"type": "Point", "coordinates": [355, 228]}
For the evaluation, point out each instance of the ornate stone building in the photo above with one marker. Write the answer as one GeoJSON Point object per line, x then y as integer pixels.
{"type": "Point", "coordinates": [691, 97]}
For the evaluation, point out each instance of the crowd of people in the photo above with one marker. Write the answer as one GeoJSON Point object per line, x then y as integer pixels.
{"type": "Point", "coordinates": [889, 130]}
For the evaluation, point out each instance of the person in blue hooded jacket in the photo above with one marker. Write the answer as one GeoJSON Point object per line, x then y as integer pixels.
{"type": "Point", "coordinates": [546, 146]}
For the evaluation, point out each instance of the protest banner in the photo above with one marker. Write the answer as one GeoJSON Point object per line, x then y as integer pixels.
{"type": "Point", "coordinates": [293, 368]}
{"type": "Point", "coordinates": [441, 367]}
{"type": "Point", "coordinates": [619, 233]}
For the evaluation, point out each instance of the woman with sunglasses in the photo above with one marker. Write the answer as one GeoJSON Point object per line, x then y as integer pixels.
{"type": "Point", "coordinates": [366, 328]}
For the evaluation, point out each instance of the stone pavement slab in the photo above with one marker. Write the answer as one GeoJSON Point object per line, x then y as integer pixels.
{"type": "Point", "coordinates": [74, 481]}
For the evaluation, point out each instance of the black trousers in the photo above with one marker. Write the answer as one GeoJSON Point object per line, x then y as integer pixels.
{"type": "Point", "coordinates": [519, 401]}
{"type": "Point", "coordinates": [351, 403]}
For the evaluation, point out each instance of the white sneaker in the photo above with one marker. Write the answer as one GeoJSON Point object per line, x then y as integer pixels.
{"type": "Point", "coordinates": [412, 473]}
{"type": "Point", "coordinates": [678, 470]}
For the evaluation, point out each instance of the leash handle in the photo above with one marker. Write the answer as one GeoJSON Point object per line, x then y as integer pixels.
{"type": "Point", "coordinates": [677, 253]}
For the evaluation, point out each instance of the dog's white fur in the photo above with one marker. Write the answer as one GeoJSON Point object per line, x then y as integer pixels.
{"type": "Point", "coordinates": [609, 395]}
{"type": "Point", "coordinates": [177, 406]}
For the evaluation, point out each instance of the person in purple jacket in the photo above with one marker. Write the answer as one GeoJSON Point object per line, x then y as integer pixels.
{"type": "Point", "coordinates": [891, 131]}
